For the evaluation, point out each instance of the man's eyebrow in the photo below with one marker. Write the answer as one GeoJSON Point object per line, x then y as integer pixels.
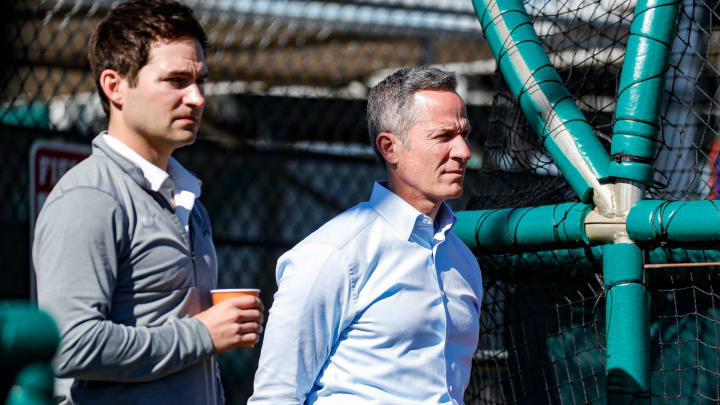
{"type": "Point", "coordinates": [451, 127]}
{"type": "Point", "coordinates": [204, 74]}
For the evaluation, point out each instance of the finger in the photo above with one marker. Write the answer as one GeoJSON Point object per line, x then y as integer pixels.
{"type": "Point", "coordinates": [249, 315]}
{"type": "Point", "coordinates": [249, 338]}
{"type": "Point", "coordinates": [250, 327]}
{"type": "Point", "coordinates": [247, 302]}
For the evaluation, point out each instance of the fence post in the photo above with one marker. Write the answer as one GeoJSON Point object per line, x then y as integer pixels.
{"type": "Point", "coordinates": [626, 325]}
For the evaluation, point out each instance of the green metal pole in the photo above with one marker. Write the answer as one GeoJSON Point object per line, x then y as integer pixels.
{"type": "Point", "coordinates": [544, 99]}
{"type": "Point", "coordinates": [33, 386]}
{"type": "Point", "coordinates": [685, 222]}
{"type": "Point", "coordinates": [28, 340]}
{"type": "Point", "coordinates": [626, 325]}
{"type": "Point", "coordinates": [642, 81]}
{"type": "Point", "coordinates": [524, 228]}
{"type": "Point", "coordinates": [637, 119]}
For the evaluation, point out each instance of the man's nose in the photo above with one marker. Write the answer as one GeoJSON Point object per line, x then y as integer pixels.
{"type": "Point", "coordinates": [195, 96]}
{"type": "Point", "coordinates": [460, 149]}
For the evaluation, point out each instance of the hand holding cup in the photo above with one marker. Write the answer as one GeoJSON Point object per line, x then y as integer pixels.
{"type": "Point", "coordinates": [235, 319]}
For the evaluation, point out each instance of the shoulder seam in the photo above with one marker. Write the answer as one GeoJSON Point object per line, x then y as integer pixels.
{"type": "Point", "coordinates": [353, 236]}
{"type": "Point", "coordinates": [80, 188]}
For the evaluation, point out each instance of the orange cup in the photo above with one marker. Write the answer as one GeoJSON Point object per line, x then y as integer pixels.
{"type": "Point", "coordinates": [221, 295]}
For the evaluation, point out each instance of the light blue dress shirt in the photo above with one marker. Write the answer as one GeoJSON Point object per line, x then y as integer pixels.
{"type": "Point", "coordinates": [378, 306]}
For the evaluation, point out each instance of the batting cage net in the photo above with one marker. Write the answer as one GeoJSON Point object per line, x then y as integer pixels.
{"type": "Point", "coordinates": [283, 148]}
{"type": "Point", "coordinates": [544, 318]}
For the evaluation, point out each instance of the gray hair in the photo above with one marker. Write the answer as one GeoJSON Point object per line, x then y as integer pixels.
{"type": "Point", "coordinates": [390, 106]}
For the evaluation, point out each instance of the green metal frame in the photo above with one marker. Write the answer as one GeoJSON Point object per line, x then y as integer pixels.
{"type": "Point", "coordinates": [28, 340]}
{"type": "Point", "coordinates": [522, 228]}
{"type": "Point", "coordinates": [544, 99]}
{"type": "Point", "coordinates": [642, 81]}
{"type": "Point", "coordinates": [614, 184]}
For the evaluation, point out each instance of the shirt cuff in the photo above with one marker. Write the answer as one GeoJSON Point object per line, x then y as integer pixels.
{"type": "Point", "coordinates": [202, 331]}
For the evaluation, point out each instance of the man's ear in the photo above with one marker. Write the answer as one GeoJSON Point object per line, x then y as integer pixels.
{"type": "Point", "coordinates": [387, 144]}
{"type": "Point", "coordinates": [113, 85]}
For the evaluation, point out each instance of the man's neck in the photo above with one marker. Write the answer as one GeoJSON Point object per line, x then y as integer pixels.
{"type": "Point", "coordinates": [140, 145]}
{"type": "Point", "coordinates": [415, 198]}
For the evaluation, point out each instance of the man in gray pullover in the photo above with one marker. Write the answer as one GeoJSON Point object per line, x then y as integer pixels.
{"type": "Point", "coordinates": [123, 248]}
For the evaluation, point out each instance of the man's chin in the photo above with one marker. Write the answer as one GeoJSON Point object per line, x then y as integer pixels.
{"type": "Point", "coordinates": [453, 193]}
{"type": "Point", "coordinates": [186, 136]}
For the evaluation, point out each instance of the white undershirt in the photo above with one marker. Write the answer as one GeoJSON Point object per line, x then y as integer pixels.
{"type": "Point", "coordinates": [176, 184]}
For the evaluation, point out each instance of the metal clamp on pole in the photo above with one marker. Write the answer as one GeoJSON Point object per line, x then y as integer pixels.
{"type": "Point", "coordinates": [602, 229]}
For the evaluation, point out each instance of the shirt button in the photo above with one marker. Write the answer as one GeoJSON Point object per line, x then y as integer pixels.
{"type": "Point", "coordinates": [452, 366]}
{"type": "Point", "coordinates": [442, 294]}
{"type": "Point", "coordinates": [451, 388]}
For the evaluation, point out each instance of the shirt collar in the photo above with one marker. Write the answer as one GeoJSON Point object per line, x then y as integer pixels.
{"type": "Point", "coordinates": [445, 218]}
{"type": "Point", "coordinates": [404, 217]}
{"type": "Point", "coordinates": [155, 177]}
{"type": "Point", "coordinates": [184, 180]}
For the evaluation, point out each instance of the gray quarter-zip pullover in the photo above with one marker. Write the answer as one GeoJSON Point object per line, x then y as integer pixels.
{"type": "Point", "coordinates": [122, 279]}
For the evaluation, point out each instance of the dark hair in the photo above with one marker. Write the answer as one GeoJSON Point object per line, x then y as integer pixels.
{"type": "Point", "coordinates": [390, 102]}
{"type": "Point", "coordinates": [122, 40]}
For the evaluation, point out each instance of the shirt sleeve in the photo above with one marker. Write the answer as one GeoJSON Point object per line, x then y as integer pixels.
{"type": "Point", "coordinates": [312, 306]}
{"type": "Point", "coordinates": [80, 237]}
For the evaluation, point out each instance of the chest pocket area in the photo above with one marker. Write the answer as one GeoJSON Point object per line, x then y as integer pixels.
{"type": "Point", "coordinates": [159, 259]}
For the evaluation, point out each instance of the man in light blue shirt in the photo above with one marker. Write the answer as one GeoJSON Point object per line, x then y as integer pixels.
{"type": "Point", "coordinates": [381, 304]}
